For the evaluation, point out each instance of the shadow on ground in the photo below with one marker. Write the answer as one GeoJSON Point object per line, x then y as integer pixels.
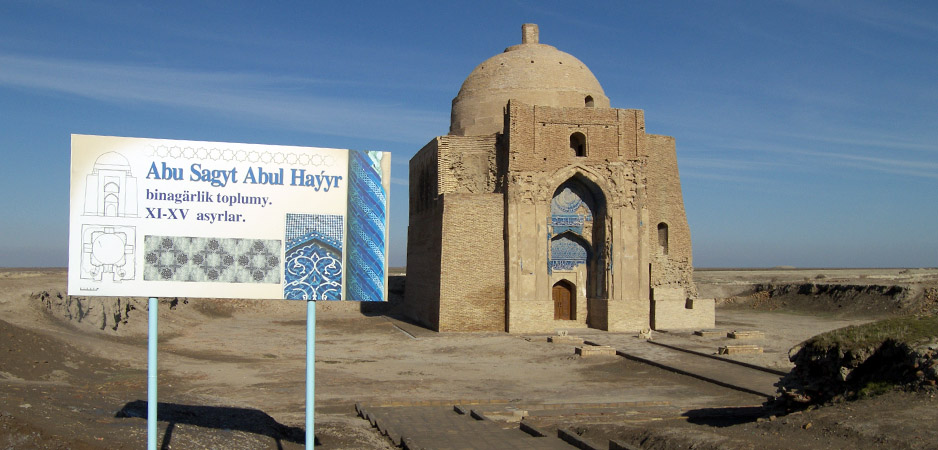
{"type": "Point", "coordinates": [220, 417]}
{"type": "Point", "coordinates": [724, 417]}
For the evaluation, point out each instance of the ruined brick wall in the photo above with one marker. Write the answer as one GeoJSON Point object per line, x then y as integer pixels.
{"type": "Point", "coordinates": [472, 294]}
{"type": "Point", "coordinates": [467, 164]}
{"type": "Point", "coordinates": [424, 236]}
{"type": "Point", "coordinates": [665, 205]}
{"type": "Point", "coordinates": [424, 183]}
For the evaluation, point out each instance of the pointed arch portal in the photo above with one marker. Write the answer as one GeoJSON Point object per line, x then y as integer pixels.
{"type": "Point", "coordinates": [577, 240]}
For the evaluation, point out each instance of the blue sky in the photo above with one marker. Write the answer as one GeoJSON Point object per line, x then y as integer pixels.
{"type": "Point", "coordinates": [807, 131]}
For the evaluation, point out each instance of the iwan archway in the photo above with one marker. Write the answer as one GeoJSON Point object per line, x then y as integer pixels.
{"type": "Point", "coordinates": [576, 253]}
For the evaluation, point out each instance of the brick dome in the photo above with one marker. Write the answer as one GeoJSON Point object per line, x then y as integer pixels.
{"type": "Point", "coordinates": [531, 72]}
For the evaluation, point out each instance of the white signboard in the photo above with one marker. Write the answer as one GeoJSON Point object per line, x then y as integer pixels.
{"type": "Point", "coordinates": [158, 218]}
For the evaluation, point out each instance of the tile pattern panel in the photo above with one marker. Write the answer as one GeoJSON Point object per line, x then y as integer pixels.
{"type": "Point", "coordinates": [313, 268]}
{"type": "Point", "coordinates": [367, 219]}
{"type": "Point", "coordinates": [206, 259]}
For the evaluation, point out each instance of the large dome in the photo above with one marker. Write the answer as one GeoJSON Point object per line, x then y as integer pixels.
{"type": "Point", "coordinates": [531, 72]}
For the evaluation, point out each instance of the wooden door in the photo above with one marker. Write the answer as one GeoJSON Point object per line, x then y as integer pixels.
{"type": "Point", "coordinates": [563, 301]}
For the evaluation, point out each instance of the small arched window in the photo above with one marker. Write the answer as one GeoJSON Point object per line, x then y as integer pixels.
{"type": "Point", "coordinates": [578, 143]}
{"type": "Point", "coordinates": [663, 237]}
{"type": "Point", "coordinates": [588, 101]}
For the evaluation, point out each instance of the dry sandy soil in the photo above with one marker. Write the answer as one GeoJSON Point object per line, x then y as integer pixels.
{"type": "Point", "coordinates": [73, 371]}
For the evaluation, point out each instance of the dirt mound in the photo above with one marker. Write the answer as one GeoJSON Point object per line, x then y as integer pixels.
{"type": "Point", "coordinates": [862, 360]}
{"type": "Point", "coordinates": [676, 438]}
{"type": "Point", "coordinates": [893, 420]}
{"type": "Point", "coordinates": [121, 316]}
{"type": "Point", "coordinates": [45, 382]}
{"type": "Point", "coordinates": [929, 302]}
{"type": "Point", "coordinates": [831, 374]}
{"type": "Point", "coordinates": [115, 315]}
{"type": "Point", "coordinates": [837, 299]}
{"type": "Point", "coordinates": [101, 313]}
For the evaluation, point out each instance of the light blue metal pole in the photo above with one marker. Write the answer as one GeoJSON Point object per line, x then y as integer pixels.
{"type": "Point", "coordinates": [310, 374]}
{"type": "Point", "coordinates": [151, 375]}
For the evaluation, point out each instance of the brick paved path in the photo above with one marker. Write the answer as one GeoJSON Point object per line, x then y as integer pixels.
{"type": "Point", "coordinates": [715, 370]}
{"type": "Point", "coordinates": [442, 428]}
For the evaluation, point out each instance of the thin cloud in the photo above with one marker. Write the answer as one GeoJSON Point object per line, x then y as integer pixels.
{"type": "Point", "coordinates": [283, 101]}
{"type": "Point", "coordinates": [893, 165]}
{"type": "Point", "coordinates": [727, 164]}
{"type": "Point", "coordinates": [904, 20]}
{"type": "Point", "coordinates": [880, 141]}
{"type": "Point", "coordinates": [721, 177]}
{"type": "Point", "coordinates": [737, 171]}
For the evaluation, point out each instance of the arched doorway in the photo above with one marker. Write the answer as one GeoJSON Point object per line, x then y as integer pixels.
{"type": "Point", "coordinates": [564, 294]}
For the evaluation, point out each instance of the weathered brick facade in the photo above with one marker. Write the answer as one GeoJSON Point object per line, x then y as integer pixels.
{"type": "Point", "coordinates": [545, 208]}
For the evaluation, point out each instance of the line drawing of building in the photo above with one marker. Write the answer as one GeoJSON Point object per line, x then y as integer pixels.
{"type": "Point", "coordinates": [111, 188]}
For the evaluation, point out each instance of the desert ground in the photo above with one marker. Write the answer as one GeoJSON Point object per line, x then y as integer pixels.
{"type": "Point", "coordinates": [232, 372]}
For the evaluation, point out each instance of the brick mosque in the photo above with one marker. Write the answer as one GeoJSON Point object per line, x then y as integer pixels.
{"type": "Point", "coordinates": [544, 208]}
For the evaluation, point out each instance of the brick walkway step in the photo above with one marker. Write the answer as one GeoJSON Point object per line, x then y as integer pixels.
{"type": "Point", "coordinates": [436, 427]}
{"type": "Point", "coordinates": [742, 377]}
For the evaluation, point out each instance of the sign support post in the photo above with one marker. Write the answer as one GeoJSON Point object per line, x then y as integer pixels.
{"type": "Point", "coordinates": [310, 373]}
{"type": "Point", "coordinates": [151, 374]}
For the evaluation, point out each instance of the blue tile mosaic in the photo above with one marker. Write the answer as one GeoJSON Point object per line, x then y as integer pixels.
{"type": "Point", "coordinates": [567, 253]}
{"type": "Point", "coordinates": [569, 200]}
{"type": "Point", "coordinates": [313, 267]}
{"type": "Point", "coordinates": [367, 219]}
{"type": "Point", "coordinates": [571, 210]}
{"type": "Point", "coordinates": [561, 223]}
